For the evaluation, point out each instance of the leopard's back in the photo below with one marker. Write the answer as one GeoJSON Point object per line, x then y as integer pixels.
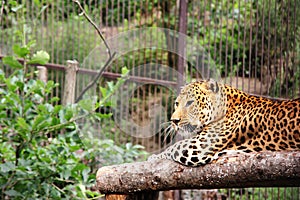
{"type": "Point", "coordinates": [262, 123]}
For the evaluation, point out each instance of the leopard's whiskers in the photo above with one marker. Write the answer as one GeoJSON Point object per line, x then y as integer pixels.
{"type": "Point", "coordinates": [170, 132]}
{"type": "Point", "coordinates": [164, 123]}
{"type": "Point", "coordinates": [168, 129]}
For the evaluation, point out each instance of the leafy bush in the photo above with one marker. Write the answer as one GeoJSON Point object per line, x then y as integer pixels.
{"type": "Point", "coordinates": [42, 154]}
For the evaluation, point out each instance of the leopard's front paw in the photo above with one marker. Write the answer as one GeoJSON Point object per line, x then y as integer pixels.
{"type": "Point", "coordinates": [158, 156]}
{"type": "Point", "coordinates": [153, 157]}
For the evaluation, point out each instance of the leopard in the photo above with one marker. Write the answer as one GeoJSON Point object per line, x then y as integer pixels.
{"type": "Point", "coordinates": [218, 118]}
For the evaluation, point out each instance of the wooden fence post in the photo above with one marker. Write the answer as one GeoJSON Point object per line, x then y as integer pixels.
{"type": "Point", "coordinates": [42, 73]}
{"type": "Point", "coordinates": [43, 76]}
{"type": "Point", "coordinates": [70, 82]}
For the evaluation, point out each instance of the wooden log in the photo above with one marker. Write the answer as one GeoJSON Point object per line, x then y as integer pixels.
{"type": "Point", "coordinates": [265, 169]}
{"type": "Point", "coordinates": [70, 82]}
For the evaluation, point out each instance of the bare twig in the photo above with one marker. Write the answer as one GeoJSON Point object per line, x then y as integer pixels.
{"type": "Point", "coordinates": [94, 25]}
{"type": "Point", "coordinates": [110, 54]}
{"type": "Point", "coordinates": [96, 78]}
{"type": "Point", "coordinates": [56, 187]}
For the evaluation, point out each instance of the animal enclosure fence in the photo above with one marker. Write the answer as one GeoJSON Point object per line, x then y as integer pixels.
{"type": "Point", "coordinates": [251, 45]}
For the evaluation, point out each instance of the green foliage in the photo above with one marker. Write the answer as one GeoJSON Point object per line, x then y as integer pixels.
{"type": "Point", "coordinates": [129, 8]}
{"type": "Point", "coordinates": [42, 154]}
{"type": "Point", "coordinates": [111, 154]}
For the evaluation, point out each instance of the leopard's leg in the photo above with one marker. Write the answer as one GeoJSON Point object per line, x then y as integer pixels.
{"type": "Point", "coordinates": [191, 152]}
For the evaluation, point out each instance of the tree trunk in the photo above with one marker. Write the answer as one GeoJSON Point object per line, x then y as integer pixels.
{"type": "Point", "coordinates": [265, 169]}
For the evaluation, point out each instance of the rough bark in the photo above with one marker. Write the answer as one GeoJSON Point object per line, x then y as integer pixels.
{"type": "Point", "coordinates": [266, 169]}
{"type": "Point", "coordinates": [133, 196]}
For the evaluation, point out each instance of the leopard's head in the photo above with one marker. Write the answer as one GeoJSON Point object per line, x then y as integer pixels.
{"type": "Point", "coordinates": [198, 104]}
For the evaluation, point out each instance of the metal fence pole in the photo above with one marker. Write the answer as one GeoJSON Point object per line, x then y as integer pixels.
{"type": "Point", "coordinates": [182, 28]}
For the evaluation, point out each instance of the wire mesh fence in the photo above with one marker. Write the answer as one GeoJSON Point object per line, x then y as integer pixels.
{"type": "Point", "coordinates": [251, 45]}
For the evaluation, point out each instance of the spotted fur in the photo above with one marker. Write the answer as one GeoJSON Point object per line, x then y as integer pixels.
{"type": "Point", "coordinates": [222, 118]}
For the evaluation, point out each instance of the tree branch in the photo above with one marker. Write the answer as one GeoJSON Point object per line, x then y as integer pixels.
{"type": "Point", "coordinates": [94, 81]}
{"type": "Point", "coordinates": [94, 25]}
{"type": "Point", "coordinates": [110, 54]}
{"type": "Point", "coordinates": [266, 169]}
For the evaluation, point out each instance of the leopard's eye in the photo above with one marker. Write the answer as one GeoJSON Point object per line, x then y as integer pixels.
{"type": "Point", "coordinates": [176, 104]}
{"type": "Point", "coordinates": [188, 103]}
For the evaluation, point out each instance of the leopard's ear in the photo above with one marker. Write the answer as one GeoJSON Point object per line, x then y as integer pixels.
{"type": "Point", "coordinates": [213, 85]}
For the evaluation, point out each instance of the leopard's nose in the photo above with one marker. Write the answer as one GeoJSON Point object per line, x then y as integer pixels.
{"type": "Point", "coordinates": [175, 121]}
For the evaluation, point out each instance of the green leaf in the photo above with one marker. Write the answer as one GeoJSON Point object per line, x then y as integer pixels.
{"type": "Point", "coordinates": [12, 3]}
{"type": "Point", "coordinates": [54, 99]}
{"type": "Point", "coordinates": [65, 115]}
{"type": "Point", "coordinates": [82, 189]}
{"type": "Point", "coordinates": [21, 51]}
{"type": "Point", "coordinates": [103, 115]}
{"type": "Point", "coordinates": [103, 91]}
{"type": "Point", "coordinates": [85, 174]}
{"type": "Point", "coordinates": [31, 44]}
{"type": "Point", "coordinates": [69, 114]}
{"type": "Point", "coordinates": [66, 173]}
{"type": "Point", "coordinates": [80, 167]}
{"type": "Point", "coordinates": [55, 121]}
{"type": "Point", "coordinates": [12, 193]}
{"type": "Point", "coordinates": [12, 62]}
{"type": "Point", "coordinates": [43, 9]}
{"type": "Point", "coordinates": [6, 167]}
{"type": "Point", "coordinates": [56, 109]}
{"type": "Point", "coordinates": [16, 8]}
{"type": "Point", "coordinates": [74, 148]}
{"type": "Point", "coordinates": [128, 145]}
{"type": "Point", "coordinates": [110, 85]}
{"type": "Point", "coordinates": [40, 122]}
{"type": "Point", "coordinates": [71, 126]}
{"type": "Point", "coordinates": [22, 124]}
{"type": "Point", "coordinates": [137, 146]}
{"type": "Point", "coordinates": [87, 104]}
{"type": "Point", "coordinates": [20, 85]}
{"type": "Point", "coordinates": [40, 57]}
{"type": "Point", "coordinates": [93, 194]}
{"type": "Point", "coordinates": [50, 85]}
{"type": "Point", "coordinates": [124, 70]}
{"type": "Point", "coordinates": [42, 108]}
